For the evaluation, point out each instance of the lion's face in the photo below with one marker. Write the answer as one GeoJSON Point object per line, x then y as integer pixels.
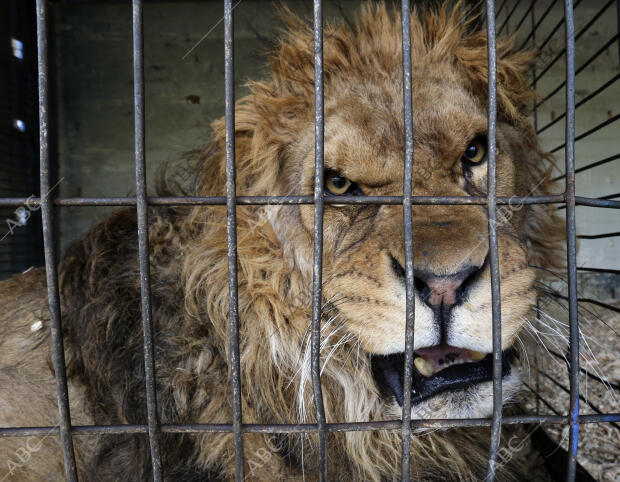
{"type": "Point", "coordinates": [364, 245]}
{"type": "Point", "coordinates": [363, 262]}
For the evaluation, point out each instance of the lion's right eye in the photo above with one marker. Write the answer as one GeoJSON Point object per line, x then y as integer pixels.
{"type": "Point", "coordinates": [338, 185]}
{"type": "Point", "coordinates": [476, 152]}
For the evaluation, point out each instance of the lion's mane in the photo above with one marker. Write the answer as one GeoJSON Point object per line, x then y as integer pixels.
{"type": "Point", "coordinates": [101, 292]}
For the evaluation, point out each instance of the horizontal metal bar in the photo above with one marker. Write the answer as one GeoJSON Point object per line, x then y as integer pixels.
{"type": "Point", "coordinates": [586, 99]}
{"type": "Point", "coordinates": [283, 200]}
{"type": "Point", "coordinates": [305, 428]}
{"type": "Point", "coordinates": [592, 165]}
{"type": "Point", "coordinates": [292, 200]}
{"type": "Point", "coordinates": [602, 202]}
{"type": "Point", "coordinates": [580, 69]}
{"type": "Point", "coordinates": [599, 236]}
{"type": "Point", "coordinates": [599, 270]}
{"type": "Point", "coordinates": [589, 132]}
{"type": "Point", "coordinates": [607, 196]}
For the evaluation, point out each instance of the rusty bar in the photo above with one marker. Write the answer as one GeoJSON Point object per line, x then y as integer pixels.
{"type": "Point", "coordinates": [51, 270]}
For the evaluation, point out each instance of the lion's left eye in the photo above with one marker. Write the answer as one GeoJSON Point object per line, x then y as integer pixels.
{"type": "Point", "coordinates": [476, 152]}
{"type": "Point", "coordinates": [337, 184]}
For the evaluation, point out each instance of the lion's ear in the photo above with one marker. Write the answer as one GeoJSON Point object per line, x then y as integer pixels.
{"type": "Point", "coordinates": [514, 93]}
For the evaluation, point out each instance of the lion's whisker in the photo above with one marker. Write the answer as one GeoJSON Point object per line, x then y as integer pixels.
{"type": "Point", "coordinates": [552, 297]}
{"type": "Point", "coordinates": [524, 351]}
{"type": "Point", "coordinates": [556, 330]}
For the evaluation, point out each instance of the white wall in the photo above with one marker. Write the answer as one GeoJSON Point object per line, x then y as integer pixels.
{"type": "Point", "coordinates": [599, 181]}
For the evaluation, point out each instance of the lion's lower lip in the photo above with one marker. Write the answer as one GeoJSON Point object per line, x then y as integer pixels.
{"type": "Point", "coordinates": [388, 371]}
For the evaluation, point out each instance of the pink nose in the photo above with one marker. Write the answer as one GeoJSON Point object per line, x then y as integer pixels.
{"type": "Point", "coordinates": [447, 290]}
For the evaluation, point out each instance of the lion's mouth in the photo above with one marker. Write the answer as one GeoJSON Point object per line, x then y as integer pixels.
{"type": "Point", "coordinates": [436, 369]}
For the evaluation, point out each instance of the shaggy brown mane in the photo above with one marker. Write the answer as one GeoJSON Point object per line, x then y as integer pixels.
{"type": "Point", "coordinates": [101, 292]}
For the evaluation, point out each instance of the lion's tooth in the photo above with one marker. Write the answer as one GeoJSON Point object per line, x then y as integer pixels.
{"type": "Point", "coordinates": [476, 355]}
{"type": "Point", "coordinates": [424, 367]}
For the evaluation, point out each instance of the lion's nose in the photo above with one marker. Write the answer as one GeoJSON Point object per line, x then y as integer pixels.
{"type": "Point", "coordinates": [444, 290]}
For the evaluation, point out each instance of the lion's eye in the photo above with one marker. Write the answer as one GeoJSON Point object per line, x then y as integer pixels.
{"type": "Point", "coordinates": [337, 184]}
{"type": "Point", "coordinates": [476, 151]}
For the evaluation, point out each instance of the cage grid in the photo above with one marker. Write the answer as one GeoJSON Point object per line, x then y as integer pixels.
{"type": "Point", "coordinates": [567, 200]}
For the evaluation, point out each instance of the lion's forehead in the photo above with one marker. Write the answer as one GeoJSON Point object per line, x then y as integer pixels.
{"type": "Point", "coordinates": [365, 129]}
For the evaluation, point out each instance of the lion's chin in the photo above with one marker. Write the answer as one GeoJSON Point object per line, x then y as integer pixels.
{"type": "Point", "coordinates": [473, 402]}
{"type": "Point", "coordinates": [447, 382]}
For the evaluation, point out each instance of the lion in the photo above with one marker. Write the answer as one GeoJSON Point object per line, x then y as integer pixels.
{"type": "Point", "coordinates": [363, 322]}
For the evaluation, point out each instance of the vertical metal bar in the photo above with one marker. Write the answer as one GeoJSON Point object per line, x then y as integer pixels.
{"type": "Point", "coordinates": [536, 357]}
{"type": "Point", "coordinates": [571, 238]}
{"type": "Point", "coordinates": [618, 27]}
{"type": "Point", "coordinates": [493, 251]}
{"type": "Point", "coordinates": [231, 237]}
{"type": "Point", "coordinates": [533, 17]}
{"type": "Point", "coordinates": [317, 274]}
{"type": "Point", "coordinates": [408, 230]}
{"type": "Point", "coordinates": [143, 238]}
{"type": "Point", "coordinates": [51, 272]}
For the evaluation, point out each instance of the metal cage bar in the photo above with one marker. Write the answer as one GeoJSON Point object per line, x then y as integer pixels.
{"type": "Point", "coordinates": [309, 427]}
{"type": "Point", "coordinates": [493, 250]}
{"type": "Point", "coordinates": [618, 26]}
{"type": "Point", "coordinates": [290, 200]}
{"type": "Point", "coordinates": [143, 237]}
{"type": "Point", "coordinates": [317, 255]}
{"type": "Point", "coordinates": [231, 237]}
{"type": "Point", "coordinates": [51, 271]}
{"type": "Point", "coordinates": [571, 238]}
{"type": "Point", "coordinates": [408, 232]}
